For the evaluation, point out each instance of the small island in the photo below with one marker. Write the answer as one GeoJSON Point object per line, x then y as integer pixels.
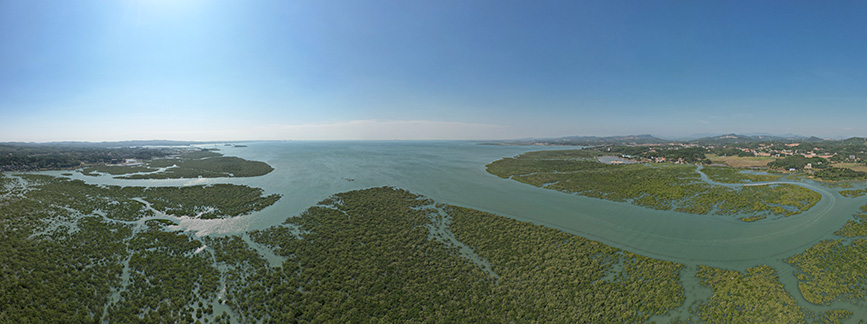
{"type": "Point", "coordinates": [191, 164]}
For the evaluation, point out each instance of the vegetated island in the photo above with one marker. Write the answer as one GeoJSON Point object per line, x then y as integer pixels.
{"type": "Point", "coordinates": [73, 252]}
{"type": "Point", "coordinates": [666, 186]}
{"type": "Point", "coordinates": [192, 164]}
{"type": "Point", "coordinates": [129, 160]}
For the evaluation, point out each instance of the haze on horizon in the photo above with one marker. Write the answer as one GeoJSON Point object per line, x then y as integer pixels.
{"type": "Point", "coordinates": [324, 70]}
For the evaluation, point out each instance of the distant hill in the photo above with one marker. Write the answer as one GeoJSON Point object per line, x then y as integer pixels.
{"type": "Point", "coordinates": [137, 143]}
{"type": "Point", "coordinates": [854, 141]}
{"type": "Point", "coordinates": [588, 140]}
{"type": "Point", "coordinates": [727, 139]}
{"type": "Point", "coordinates": [645, 139]}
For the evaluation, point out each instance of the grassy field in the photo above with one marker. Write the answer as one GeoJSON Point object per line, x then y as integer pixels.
{"type": "Point", "coordinates": [853, 166]}
{"type": "Point", "coordinates": [741, 161]}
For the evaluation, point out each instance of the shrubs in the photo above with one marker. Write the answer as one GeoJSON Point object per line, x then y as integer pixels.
{"type": "Point", "coordinates": [657, 186]}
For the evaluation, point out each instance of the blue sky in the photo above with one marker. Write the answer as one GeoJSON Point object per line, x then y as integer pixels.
{"type": "Point", "coordinates": [237, 70]}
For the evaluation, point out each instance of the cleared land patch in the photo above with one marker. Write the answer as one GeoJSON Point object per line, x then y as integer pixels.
{"type": "Point", "coordinates": [741, 161]}
{"type": "Point", "coordinates": [731, 175]}
{"type": "Point", "coordinates": [853, 166]}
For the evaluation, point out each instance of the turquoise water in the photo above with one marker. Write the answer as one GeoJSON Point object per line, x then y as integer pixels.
{"type": "Point", "coordinates": [454, 173]}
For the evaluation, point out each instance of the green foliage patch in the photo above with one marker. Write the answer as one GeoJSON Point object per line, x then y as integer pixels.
{"type": "Point", "coordinates": [66, 245]}
{"type": "Point", "coordinates": [565, 275]}
{"type": "Point", "coordinates": [368, 256]}
{"type": "Point", "coordinates": [31, 157]}
{"type": "Point", "coordinates": [837, 174]}
{"type": "Point", "coordinates": [657, 186]}
{"type": "Point", "coordinates": [220, 200]}
{"type": "Point", "coordinates": [201, 154]}
{"type": "Point", "coordinates": [212, 167]}
{"type": "Point", "coordinates": [56, 277]}
{"type": "Point", "coordinates": [853, 193]}
{"type": "Point", "coordinates": [166, 280]}
{"type": "Point", "coordinates": [756, 296]}
{"type": "Point", "coordinates": [191, 164]}
{"type": "Point", "coordinates": [856, 227]}
{"type": "Point", "coordinates": [115, 169]}
{"type": "Point", "coordinates": [799, 162]}
{"type": "Point", "coordinates": [832, 270]}
{"type": "Point", "coordinates": [215, 201]}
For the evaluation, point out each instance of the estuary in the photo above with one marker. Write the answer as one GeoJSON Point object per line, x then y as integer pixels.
{"type": "Point", "coordinates": [454, 173]}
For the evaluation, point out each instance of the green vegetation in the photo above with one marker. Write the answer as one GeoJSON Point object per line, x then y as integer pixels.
{"type": "Point", "coordinates": [159, 222]}
{"type": "Point", "coordinates": [190, 164]}
{"type": "Point", "coordinates": [69, 253]}
{"type": "Point", "coordinates": [366, 255]}
{"type": "Point", "coordinates": [857, 166]}
{"type": "Point", "coordinates": [832, 270]}
{"type": "Point", "coordinates": [851, 149]}
{"type": "Point", "coordinates": [56, 277]}
{"type": "Point", "coordinates": [219, 200]}
{"type": "Point", "coordinates": [115, 169]}
{"type": "Point", "coordinates": [64, 252]}
{"type": "Point", "coordinates": [113, 202]}
{"type": "Point", "coordinates": [571, 278]}
{"type": "Point", "coordinates": [251, 286]}
{"type": "Point", "coordinates": [839, 184]}
{"type": "Point", "coordinates": [72, 252]}
{"type": "Point", "coordinates": [688, 155]}
{"type": "Point", "coordinates": [731, 151]}
{"type": "Point", "coordinates": [732, 175]}
{"type": "Point", "coordinates": [848, 155]}
{"type": "Point", "coordinates": [166, 280]}
{"type": "Point", "coordinates": [756, 296]}
{"type": "Point", "coordinates": [777, 199]}
{"type": "Point", "coordinates": [853, 193]}
{"type": "Point", "coordinates": [121, 203]}
{"type": "Point", "coordinates": [856, 227]}
{"type": "Point", "coordinates": [202, 154]}
{"type": "Point", "coordinates": [834, 316]}
{"type": "Point", "coordinates": [657, 186]}
{"type": "Point", "coordinates": [211, 167]}
{"type": "Point", "coordinates": [799, 162]}
{"type": "Point", "coordinates": [837, 174]}
{"type": "Point", "coordinates": [29, 157]}
{"type": "Point", "coordinates": [369, 256]}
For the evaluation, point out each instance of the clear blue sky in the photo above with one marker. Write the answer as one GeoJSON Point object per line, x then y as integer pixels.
{"type": "Point", "coordinates": [235, 70]}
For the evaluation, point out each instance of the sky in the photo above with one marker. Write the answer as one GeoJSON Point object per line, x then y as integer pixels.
{"type": "Point", "coordinates": [380, 70]}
